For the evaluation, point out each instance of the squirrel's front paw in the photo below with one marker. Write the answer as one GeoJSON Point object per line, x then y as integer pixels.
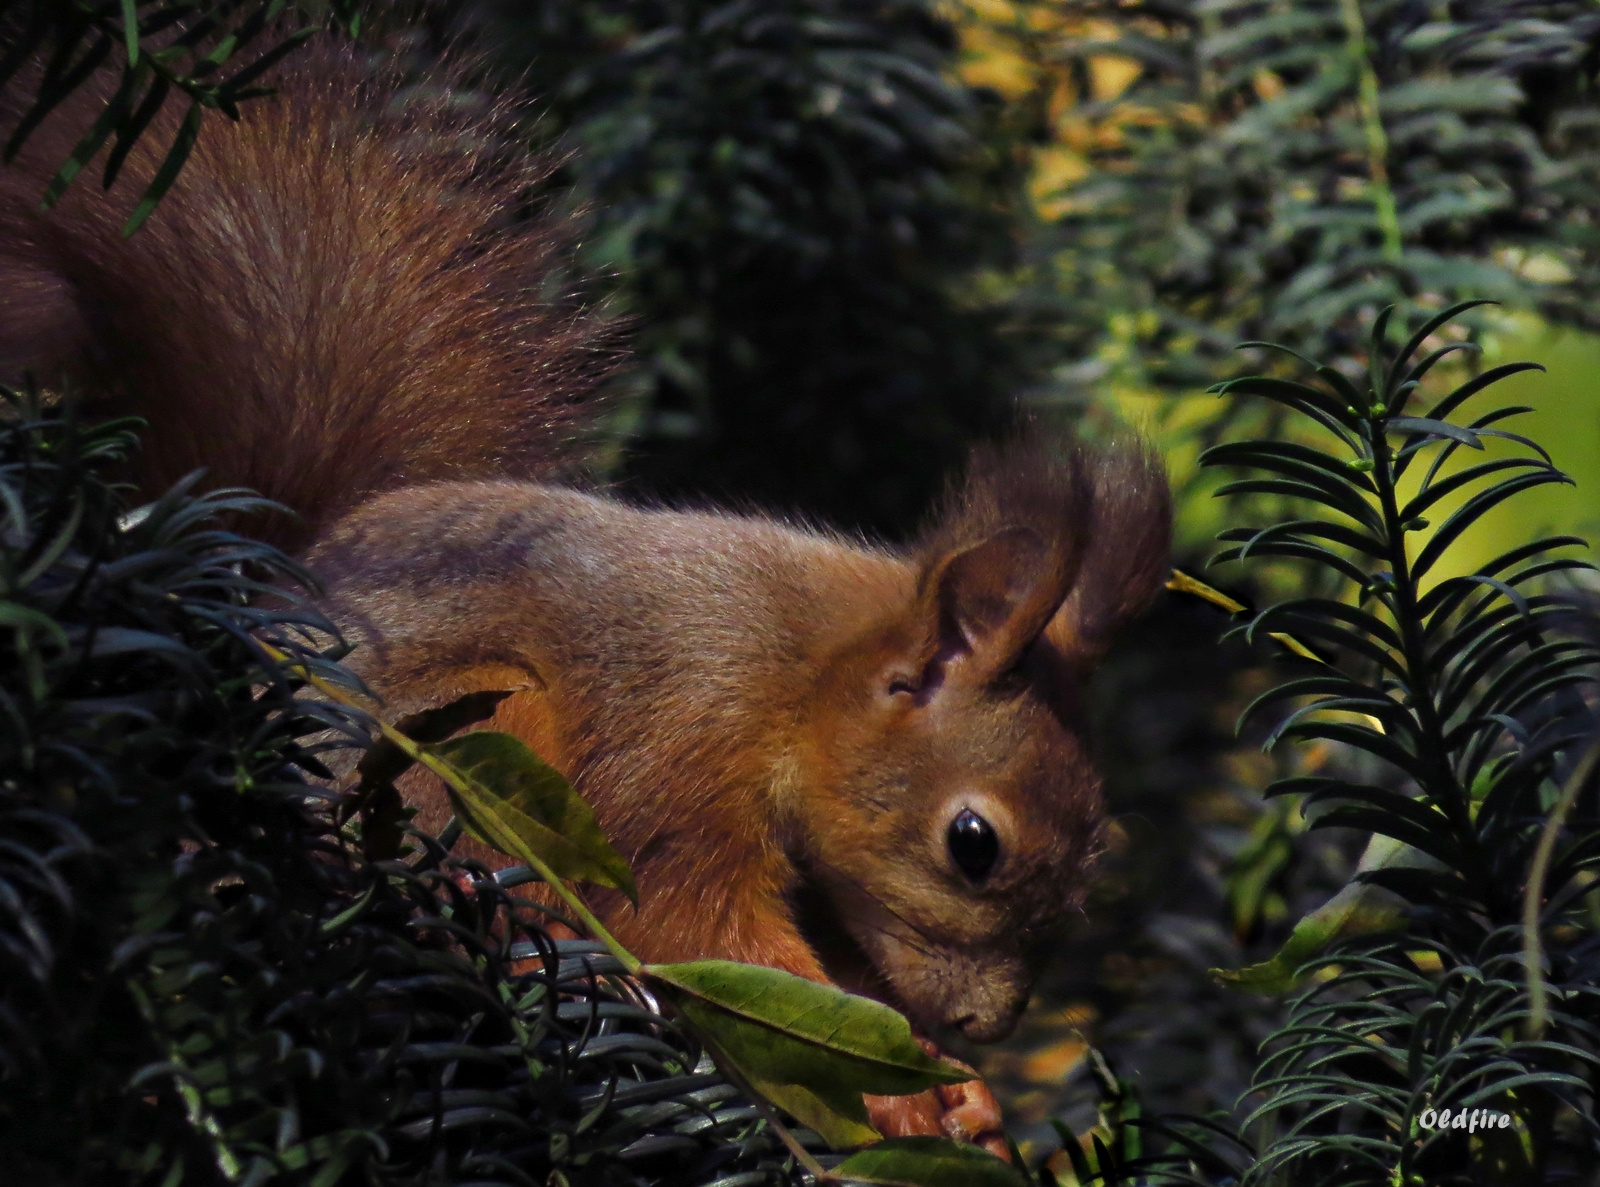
{"type": "Point", "coordinates": [971, 1114]}
{"type": "Point", "coordinates": [966, 1112]}
{"type": "Point", "coordinates": [914, 1116]}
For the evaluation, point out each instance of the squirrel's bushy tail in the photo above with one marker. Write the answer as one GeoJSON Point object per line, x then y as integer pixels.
{"type": "Point", "coordinates": [337, 296]}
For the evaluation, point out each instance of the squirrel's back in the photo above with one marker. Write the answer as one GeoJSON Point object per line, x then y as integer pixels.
{"type": "Point", "coordinates": [338, 296]}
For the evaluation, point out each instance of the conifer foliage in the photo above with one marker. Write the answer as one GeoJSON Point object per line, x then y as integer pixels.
{"type": "Point", "coordinates": [798, 204]}
{"type": "Point", "coordinates": [1280, 170]}
{"type": "Point", "coordinates": [1460, 970]}
{"type": "Point", "coordinates": [203, 977]}
{"type": "Point", "coordinates": [214, 55]}
{"type": "Point", "coordinates": [1465, 687]}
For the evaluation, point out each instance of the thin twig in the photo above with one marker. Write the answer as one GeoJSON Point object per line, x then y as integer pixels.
{"type": "Point", "coordinates": [1533, 895]}
{"type": "Point", "coordinates": [736, 1076]}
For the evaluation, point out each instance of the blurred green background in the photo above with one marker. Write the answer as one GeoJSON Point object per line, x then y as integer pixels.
{"type": "Point", "coordinates": [1564, 418]}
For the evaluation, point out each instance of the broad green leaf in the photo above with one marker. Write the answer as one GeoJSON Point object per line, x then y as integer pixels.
{"type": "Point", "coordinates": [1357, 910]}
{"type": "Point", "coordinates": [818, 1014]}
{"type": "Point", "coordinates": [928, 1162]}
{"type": "Point", "coordinates": [386, 762]}
{"type": "Point", "coordinates": [383, 813]}
{"type": "Point", "coordinates": [510, 798]}
{"type": "Point", "coordinates": [808, 1083]}
{"type": "Point", "coordinates": [811, 1049]}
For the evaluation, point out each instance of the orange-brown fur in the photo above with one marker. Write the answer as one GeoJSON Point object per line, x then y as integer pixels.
{"type": "Point", "coordinates": [775, 725]}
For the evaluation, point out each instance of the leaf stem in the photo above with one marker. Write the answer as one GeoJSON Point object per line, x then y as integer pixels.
{"type": "Point", "coordinates": [450, 775]}
{"type": "Point", "coordinates": [1448, 794]}
{"type": "Point", "coordinates": [1383, 203]}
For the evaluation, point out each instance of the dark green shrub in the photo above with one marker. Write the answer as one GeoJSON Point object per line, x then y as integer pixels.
{"type": "Point", "coordinates": [1460, 969]}
{"type": "Point", "coordinates": [201, 978]}
{"type": "Point", "coordinates": [1470, 694]}
{"type": "Point", "coordinates": [1281, 170]}
{"type": "Point", "coordinates": [799, 207]}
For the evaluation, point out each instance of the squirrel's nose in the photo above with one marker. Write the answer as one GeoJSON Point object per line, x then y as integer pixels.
{"type": "Point", "coordinates": [991, 1017]}
{"type": "Point", "coordinates": [988, 1027]}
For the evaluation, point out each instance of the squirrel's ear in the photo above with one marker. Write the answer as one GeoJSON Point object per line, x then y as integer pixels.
{"type": "Point", "coordinates": [992, 599]}
{"type": "Point", "coordinates": [1126, 556]}
{"type": "Point", "coordinates": [999, 560]}
{"type": "Point", "coordinates": [1057, 540]}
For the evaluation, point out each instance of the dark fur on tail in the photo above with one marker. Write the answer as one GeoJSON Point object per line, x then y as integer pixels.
{"type": "Point", "coordinates": [334, 299]}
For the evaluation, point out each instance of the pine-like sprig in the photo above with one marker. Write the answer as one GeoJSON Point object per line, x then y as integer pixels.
{"type": "Point", "coordinates": [203, 977]}
{"type": "Point", "coordinates": [1473, 696]}
{"type": "Point", "coordinates": [1460, 969]}
{"type": "Point", "coordinates": [1280, 170]}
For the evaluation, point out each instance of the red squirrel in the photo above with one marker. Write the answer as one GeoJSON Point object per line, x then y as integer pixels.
{"type": "Point", "coordinates": [856, 762]}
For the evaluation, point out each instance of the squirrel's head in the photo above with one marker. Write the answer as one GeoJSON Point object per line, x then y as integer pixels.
{"type": "Point", "coordinates": [953, 807]}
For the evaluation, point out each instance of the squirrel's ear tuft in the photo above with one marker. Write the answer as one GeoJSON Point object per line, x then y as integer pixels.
{"type": "Point", "coordinates": [1126, 555]}
{"type": "Point", "coordinates": [999, 561]}
{"type": "Point", "coordinates": [1043, 538]}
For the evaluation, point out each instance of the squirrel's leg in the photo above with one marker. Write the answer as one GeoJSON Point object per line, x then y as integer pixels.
{"type": "Point", "coordinates": [914, 1116]}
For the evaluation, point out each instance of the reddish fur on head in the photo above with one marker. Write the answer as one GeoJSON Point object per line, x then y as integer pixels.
{"type": "Point", "coordinates": [967, 700]}
{"type": "Point", "coordinates": [334, 299]}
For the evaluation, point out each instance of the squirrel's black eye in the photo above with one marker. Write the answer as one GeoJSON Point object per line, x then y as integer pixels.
{"type": "Point", "coordinates": [973, 844]}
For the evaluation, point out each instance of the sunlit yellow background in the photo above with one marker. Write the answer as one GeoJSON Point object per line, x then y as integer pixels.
{"type": "Point", "coordinates": [1007, 48]}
